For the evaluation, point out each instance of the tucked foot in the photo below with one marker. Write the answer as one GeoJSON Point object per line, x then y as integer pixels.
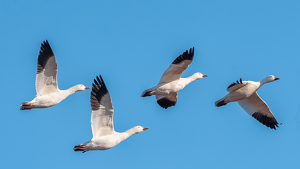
{"type": "Point", "coordinates": [147, 94]}
{"type": "Point", "coordinates": [221, 103]}
{"type": "Point", "coordinates": [80, 148]}
{"type": "Point", "coordinates": [26, 106]}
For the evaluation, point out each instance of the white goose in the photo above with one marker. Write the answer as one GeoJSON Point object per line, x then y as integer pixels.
{"type": "Point", "coordinates": [244, 92]}
{"type": "Point", "coordinates": [171, 81]}
{"type": "Point", "coordinates": [48, 93]}
{"type": "Point", "coordinates": [104, 135]}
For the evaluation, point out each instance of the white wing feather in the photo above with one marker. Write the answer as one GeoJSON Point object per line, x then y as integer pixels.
{"type": "Point", "coordinates": [254, 104]}
{"type": "Point", "coordinates": [102, 119]}
{"type": "Point", "coordinates": [174, 72]}
{"type": "Point", "coordinates": [46, 78]}
{"type": "Point", "coordinates": [102, 109]}
{"type": "Point", "coordinates": [46, 81]}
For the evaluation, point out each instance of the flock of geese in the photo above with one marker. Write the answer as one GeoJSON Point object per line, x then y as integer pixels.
{"type": "Point", "coordinates": [104, 135]}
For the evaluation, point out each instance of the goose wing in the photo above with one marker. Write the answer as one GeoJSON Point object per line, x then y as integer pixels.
{"type": "Point", "coordinates": [166, 101]}
{"type": "Point", "coordinates": [236, 85]}
{"type": "Point", "coordinates": [178, 66]}
{"type": "Point", "coordinates": [46, 78]}
{"type": "Point", "coordinates": [102, 109]}
{"type": "Point", "coordinates": [258, 109]}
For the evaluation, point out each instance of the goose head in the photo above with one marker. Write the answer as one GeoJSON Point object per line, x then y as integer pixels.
{"type": "Point", "coordinates": [199, 75]}
{"type": "Point", "coordinates": [270, 78]}
{"type": "Point", "coordinates": [139, 129]}
{"type": "Point", "coordinates": [81, 87]}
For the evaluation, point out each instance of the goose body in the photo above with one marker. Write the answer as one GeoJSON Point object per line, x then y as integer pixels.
{"type": "Point", "coordinates": [244, 92]}
{"type": "Point", "coordinates": [48, 93]}
{"type": "Point", "coordinates": [171, 81]}
{"type": "Point", "coordinates": [103, 142]}
{"type": "Point", "coordinates": [104, 135]}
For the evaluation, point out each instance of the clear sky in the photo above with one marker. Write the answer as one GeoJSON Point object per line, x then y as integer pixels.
{"type": "Point", "coordinates": [131, 43]}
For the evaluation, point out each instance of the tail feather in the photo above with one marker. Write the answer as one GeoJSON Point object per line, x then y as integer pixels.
{"type": "Point", "coordinates": [220, 102]}
{"type": "Point", "coordinates": [80, 147]}
{"type": "Point", "coordinates": [146, 93]}
{"type": "Point", "coordinates": [26, 106]}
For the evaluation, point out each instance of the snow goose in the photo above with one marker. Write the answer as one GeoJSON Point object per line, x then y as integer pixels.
{"type": "Point", "coordinates": [171, 82]}
{"type": "Point", "coordinates": [244, 92]}
{"type": "Point", "coordinates": [104, 135]}
{"type": "Point", "coordinates": [48, 93]}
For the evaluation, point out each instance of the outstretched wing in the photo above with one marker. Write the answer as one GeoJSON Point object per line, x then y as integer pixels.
{"type": "Point", "coordinates": [236, 85]}
{"type": "Point", "coordinates": [46, 80]}
{"type": "Point", "coordinates": [102, 109]}
{"type": "Point", "coordinates": [258, 109]}
{"type": "Point", "coordinates": [177, 67]}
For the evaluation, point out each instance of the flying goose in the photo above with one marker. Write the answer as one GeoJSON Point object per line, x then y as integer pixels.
{"type": "Point", "coordinates": [104, 135]}
{"type": "Point", "coordinates": [48, 93]}
{"type": "Point", "coordinates": [171, 81]}
{"type": "Point", "coordinates": [244, 92]}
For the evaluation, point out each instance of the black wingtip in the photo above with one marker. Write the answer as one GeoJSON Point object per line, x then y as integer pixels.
{"type": "Point", "coordinates": [234, 83]}
{"type": "Point", "coordinates": [45, 42]}
{"type": "Point", "coordinates": [166, 103]}
{"type": "Point", "coordinates": [270, 122]}
{"type": "Point", "coordinates": [98, 81]}
{"type": "Point", "coordinates": [98, 91]}
{"type": "Point", "coordinates": [45, 45]}
{"type": "Point", "coordinates": [44, 54]}
{"type": "Point", "coordinates": [187, 55]}
{"type": "Point", "coordinates": [192, 50]}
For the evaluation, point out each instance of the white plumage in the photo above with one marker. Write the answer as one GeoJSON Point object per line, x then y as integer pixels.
{"type": "Point", "coordinates": [104, 135]}
{"type": "Point", "coordinates": [47, 91]}
{"type": "Point", "coordinates": [171, 81]}
{"type": "Point", "coordinates": [244, 92]}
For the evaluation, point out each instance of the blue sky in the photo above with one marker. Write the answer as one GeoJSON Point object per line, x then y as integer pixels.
{"type": "Point", "coordinates": [131, 43]}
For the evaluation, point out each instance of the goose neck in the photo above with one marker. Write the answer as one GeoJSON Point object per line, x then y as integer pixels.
{"type": "Point", "coordinates": [72, 90]}
{"type": "Point", "coordinates": [130, 132]}
{"type": "Point", "coordinates": [262, 82]}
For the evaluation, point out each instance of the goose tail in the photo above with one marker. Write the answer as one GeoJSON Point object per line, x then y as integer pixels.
{"type": "Point", "coordinates": [147, 92]}
{"type": "Point", "coordinates": [26, 106]}
{"type": "Point", "coordinates": [220, 102]}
